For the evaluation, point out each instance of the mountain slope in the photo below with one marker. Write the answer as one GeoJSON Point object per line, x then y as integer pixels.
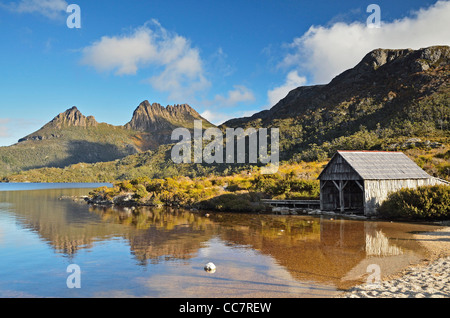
{"type": "Point", "coordinates": [393, 93]}
{"type": "Point", "coordinates": [70, 118]}
{"type": "Point", "coordinates": [72, 138]}
{"type": "Point", "coordinates": [382, 75]}
{"type": "Point", "coordinates": [391, 100]}
{"type": "Point", "coordinates": [69, 138]}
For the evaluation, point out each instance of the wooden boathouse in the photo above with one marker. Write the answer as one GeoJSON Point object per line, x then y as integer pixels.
{"type": "Point", "coordinates": [361, 180]}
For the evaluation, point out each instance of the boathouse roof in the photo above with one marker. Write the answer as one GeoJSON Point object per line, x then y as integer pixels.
{"type": "Point", "coordinates": [375, 165]}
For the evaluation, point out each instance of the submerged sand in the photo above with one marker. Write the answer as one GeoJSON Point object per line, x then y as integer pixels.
{"type": "Point", "coordinates": [429, 279]}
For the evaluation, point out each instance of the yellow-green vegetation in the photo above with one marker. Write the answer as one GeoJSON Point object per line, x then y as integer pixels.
{"type": "Point", "coordinates": [436, 161]}
{"type": "Point", "coordinates": [421, 130]}
{"type": "Point", "coordinates": [374, 114]}
{"type": "Point", "coordinates": [432, 155]}
{"type": "Point", "coordinates": [400, 106]}
{"type": "Point", "coordinates": [422, 203]}
{"type": "Point", "coordinates": [154, 217]}
{"type": "Point", "coordinates": [239, 192]}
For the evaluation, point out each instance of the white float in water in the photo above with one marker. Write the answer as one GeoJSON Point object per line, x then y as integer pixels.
{"type": "Point", "coordinates": [210, 267]}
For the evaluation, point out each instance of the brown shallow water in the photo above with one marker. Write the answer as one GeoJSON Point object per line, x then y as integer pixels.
{"type": "Point", "coordinates": [149, 252]}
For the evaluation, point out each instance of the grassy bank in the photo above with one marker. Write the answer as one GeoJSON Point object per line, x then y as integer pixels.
{"type": "Point", "coordinates": [237, 193]}
{"type": "Point", "coordinates": [242, 192]}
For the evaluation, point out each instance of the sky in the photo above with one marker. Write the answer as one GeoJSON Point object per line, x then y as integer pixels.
{"type": "Point", "coordinates": [226, 59]}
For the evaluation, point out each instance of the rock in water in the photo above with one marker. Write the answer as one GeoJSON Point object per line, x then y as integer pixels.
{"type": "Point", "coordinates": [210, 267]}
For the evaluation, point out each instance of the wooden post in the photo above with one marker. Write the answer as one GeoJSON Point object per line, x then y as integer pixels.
{"type": "Point", "coordinates": [322, 184]}
{"type": "Point", "coordinates": [341, 195]}
{"type": "Point", "coordinates": [340, 188]}
{"type": "Point", "coordinates": [337, 187]}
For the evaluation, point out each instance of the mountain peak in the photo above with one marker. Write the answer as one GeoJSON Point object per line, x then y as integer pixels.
{"type": "Point", "coordinates": [380, 57]}
{"type": "Point", "coordinates": [401, 60]}
{"type": "Point", "coordinates": [154, 108]}
{"type": "Point", "coordinates": [72, 117]}
{"type": "Point", "coordinates": [383, 77]}
{"type": "Point", "coordinates": [154, 117]}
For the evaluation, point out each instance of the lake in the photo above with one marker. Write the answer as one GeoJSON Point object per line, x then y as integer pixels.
{"type": "Point", "coordinates": [161, 252]}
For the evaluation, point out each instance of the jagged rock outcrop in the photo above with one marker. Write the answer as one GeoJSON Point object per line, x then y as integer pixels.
{"type": "Point", "coordinates": [154, 117]}
{"type": "Point", "coordinates": [73, 117]}
{"type": "Point", "coordinates": [398, 63]}
{"type": "Point", "coordinates": [160, 121]}
{"type": "Point", "coordinates": [71, 138]}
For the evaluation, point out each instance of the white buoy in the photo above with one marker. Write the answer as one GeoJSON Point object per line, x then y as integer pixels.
{"type": "Point", "coordinates": [210, 267]}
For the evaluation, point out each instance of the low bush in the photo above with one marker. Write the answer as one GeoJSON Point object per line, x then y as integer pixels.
{"type": "Point", "coordinates": [422, 203]}
{"type": "Point", "coordinates": [233, 202]}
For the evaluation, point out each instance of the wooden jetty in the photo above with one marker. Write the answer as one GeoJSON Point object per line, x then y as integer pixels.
{"type": "Point", "coordinates": [305, 204]}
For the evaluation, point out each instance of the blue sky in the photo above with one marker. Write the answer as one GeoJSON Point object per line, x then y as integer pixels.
{"type": "Point", "coordinates": [225, 58]}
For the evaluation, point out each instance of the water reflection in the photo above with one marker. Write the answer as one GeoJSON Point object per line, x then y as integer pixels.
{"type": "Point", "coordinates": [159, 233]}
{"type": "Point", "coordinates": [333, 252]}
{"type": "Point", "coordinates": [379, 245]}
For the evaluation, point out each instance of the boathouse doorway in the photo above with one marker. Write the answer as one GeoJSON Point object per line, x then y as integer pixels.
{"type": "Point", "coordinates": [343, 195]}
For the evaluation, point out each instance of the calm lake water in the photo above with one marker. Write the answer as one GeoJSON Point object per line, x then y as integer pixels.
{"type": "Point", "coordinates": [153, 252]}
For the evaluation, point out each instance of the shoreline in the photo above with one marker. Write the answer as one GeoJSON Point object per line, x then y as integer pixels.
{"type": "Point", "coordinates": [129, 203]}
{"type": "Point", "coordinates": [429, 278]}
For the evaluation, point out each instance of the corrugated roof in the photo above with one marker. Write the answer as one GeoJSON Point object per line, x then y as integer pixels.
{"type": "Point", "coordinates": [383, 165]}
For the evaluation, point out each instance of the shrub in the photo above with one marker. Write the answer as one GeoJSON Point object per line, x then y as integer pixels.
{"type": "Point", "coordinates": [125, 186]}
{"type": "Point", "coordinates": [140, 192]}
{"type": "Point", "coordinates": [232, 202]}
{"type": "Point", "coordinates": [308, 187]}
{"type": "Point", "coordinates": [422, 203]}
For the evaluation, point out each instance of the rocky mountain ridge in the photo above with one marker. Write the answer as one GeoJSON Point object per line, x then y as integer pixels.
{"type": "Point", "coordinates": [72, 137]}
{"type": "Point", "coordinates": [160, 121]}
{"type": "Point", "coordinates": [389, 94]}
{"type": "Point", "coordinates": [147, 118]}
{"type": "Point", "coordinates": [154, 117]}
{"type": "Point", "coordinates": [382, 75]}
{"type": "Point", "coordinates": [389, 97]}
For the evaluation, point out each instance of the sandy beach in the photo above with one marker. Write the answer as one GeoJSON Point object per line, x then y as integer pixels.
{"type": "Point", "coordinates": [429, 279]}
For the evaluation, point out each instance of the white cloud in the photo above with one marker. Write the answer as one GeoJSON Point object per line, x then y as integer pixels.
{"type": "Point", "coordinates": [182, 77]}
{"type": "Point", "coordinates": [219, 62]}
{"type": "Point", "coordinates": [215, 117]}
{"type": "Point", "coordinates": [179, 65]}
{"type": "Point", "coordinates": [124, 54]}
{"type": "Point", "coordinates": [325, 52]}
{"type": "Point", "coordinates": [218, 118]}
{"type": "Point", "coordinates": [53, 9]}
{"type": "Point", "coordinates": [4, 131]}
{"type": "Point", "coordinates": [293, 80]}
{"type": "Point", "coordinates": [238, 95]}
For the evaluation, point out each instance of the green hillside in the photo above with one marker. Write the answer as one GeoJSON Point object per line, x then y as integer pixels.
{"type": "Point", "coordinates": [396, 100]}
{"type": "Point", "coordinates": [75, 144]}
{"type": "Point", "coordinates": [389, 97]}
{"type": "Point", "coordinates": [72, 138]}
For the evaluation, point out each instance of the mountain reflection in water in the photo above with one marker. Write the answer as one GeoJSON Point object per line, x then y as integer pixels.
{"type": "Point", "coordinates": [317, 251]}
